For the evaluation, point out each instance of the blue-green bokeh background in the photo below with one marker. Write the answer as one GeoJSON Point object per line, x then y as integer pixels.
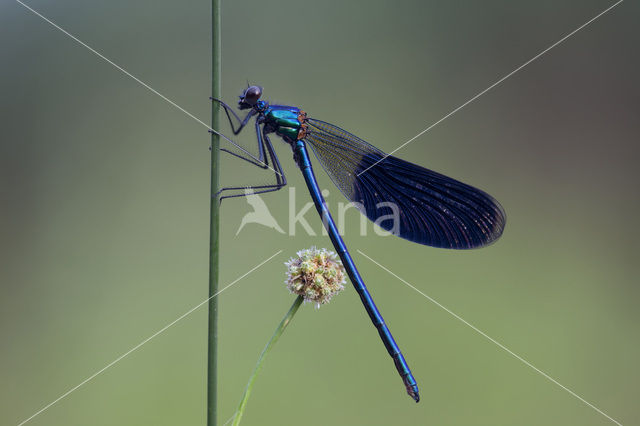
{"type": "Point", "coordinates": [104, 213]}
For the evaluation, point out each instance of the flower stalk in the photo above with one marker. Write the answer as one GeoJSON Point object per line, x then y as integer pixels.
{"type": "Point", "coordinates": [276, 335]}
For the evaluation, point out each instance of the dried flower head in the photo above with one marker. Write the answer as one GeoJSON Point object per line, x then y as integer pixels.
{"type": "Point", "coordinates": [316, 274]}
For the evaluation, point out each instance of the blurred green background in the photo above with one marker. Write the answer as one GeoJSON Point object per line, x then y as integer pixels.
{"type": "Point", "coordinates": [104, 213]}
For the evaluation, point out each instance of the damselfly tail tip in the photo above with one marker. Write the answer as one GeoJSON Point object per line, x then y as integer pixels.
{"type": "Point", "coordinates": [412, 390]}
{"type": "Point", "coordinates": [411, 386]}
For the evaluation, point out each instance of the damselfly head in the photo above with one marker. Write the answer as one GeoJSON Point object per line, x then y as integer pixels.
{"type": "Point", "coordinates": [250, 97]}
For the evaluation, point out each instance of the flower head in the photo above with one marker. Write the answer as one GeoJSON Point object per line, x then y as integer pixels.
{"type": "Point", "coordinates": [316, 275]}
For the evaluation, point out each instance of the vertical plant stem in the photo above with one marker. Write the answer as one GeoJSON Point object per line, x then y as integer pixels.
{"type": "Point", "coordinates": [276, 335]}
{"type": "Point", "coordinates": [214, 225]}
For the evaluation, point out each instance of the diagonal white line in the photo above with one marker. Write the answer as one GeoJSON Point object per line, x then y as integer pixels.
{"type": "Point", "coordinates": [494, 341]}
{"type": "Point", "coordinates": [494, 85]}
{"type": "Point", "coordinates": [163, 329]}
{"type": "Point", "coordinates": [151, 89]}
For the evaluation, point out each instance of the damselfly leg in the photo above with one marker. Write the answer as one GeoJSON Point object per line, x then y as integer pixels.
{"type": "Point", "coordinates": [241, 121]}
{"type": "Point", "coordinates": [265, 152]}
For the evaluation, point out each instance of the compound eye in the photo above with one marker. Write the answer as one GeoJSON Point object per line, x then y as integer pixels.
{"type": "Point", "coordinates": [252, 94]}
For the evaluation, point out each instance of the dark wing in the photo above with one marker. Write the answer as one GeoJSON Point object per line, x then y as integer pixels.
{"type": "Point", "coordinates": [432, 209]}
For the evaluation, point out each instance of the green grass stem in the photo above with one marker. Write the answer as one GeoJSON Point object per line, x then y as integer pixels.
{"type": "Point", "coordinates": [276, 335]}
{"type": "Point", "coordinates": [214, 223]}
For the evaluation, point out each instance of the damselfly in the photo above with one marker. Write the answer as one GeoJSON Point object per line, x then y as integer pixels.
{"type": "Point", "coordinates": [432, 209]}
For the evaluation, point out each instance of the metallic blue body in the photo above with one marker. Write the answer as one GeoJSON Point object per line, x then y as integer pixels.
{"type": "Point", "coordinates": [302, 158]}
{"type": "Point", "coordinates": [284, 121]}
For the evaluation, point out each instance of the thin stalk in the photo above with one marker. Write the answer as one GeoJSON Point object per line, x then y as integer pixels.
{"type": "Point", "coordinates": [214, 222]}
{"type": "Point", "coordinates": [276, 335]}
